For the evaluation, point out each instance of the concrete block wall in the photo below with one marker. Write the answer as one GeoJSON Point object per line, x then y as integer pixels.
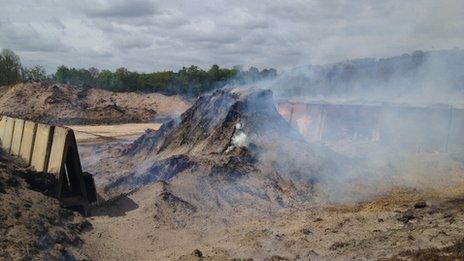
{"type": "Point", "coordinates": [41, 146]}
{"type": "Point", "coordinates": [17, 136]}
{"type": "Point", "coordinates": [416, 129]}
{"type": "Point", "coordinates": [28, 141]}
{"type": "Point", "coordinates": [8, 134]}
{"type": "Point", "coordinates": [57, 151]}
{"type": "Point", "coordinates": [50, 149]}
{"type": "Point", "coordinates": [2, 127]}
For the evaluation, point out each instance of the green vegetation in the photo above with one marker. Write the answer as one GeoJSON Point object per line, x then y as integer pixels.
{"type": "Point", "coordinates": [35, 73]}
{"type": "Point", "coordinates": [10, 67]}
{"type": "Point", "coordinates": [189, 81]}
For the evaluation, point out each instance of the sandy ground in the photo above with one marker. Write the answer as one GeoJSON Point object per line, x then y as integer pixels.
{"type": "Point", "coordinates": [150, 225]}
{"type": "Point", "coordinates": [33, 226]}
{"type": "Point", "coordinates": [105, 133]}
{"type": "Point", "coordinates": [199, 214]}
{"type": "Point", "coordinates": [131, 229]}
{"type": "Point", "coordinates": [141, 227]}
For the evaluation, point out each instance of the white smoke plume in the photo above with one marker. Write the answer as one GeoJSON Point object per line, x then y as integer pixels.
{"type": "Point", "coordinates": [423, 93]}
{"type": "Point", "coordinates": [239, 139]}
{"type": "Point", "coordinates": [418, 79]}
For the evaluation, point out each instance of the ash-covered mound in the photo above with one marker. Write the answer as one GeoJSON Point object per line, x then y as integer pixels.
{"type": "Point", "coordinates": [231, 147]}
{"type": "Point", "coordinates": [65, 104]}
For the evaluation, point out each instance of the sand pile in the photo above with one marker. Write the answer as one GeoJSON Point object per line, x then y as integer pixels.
{"type": "Point", "coordinates": [64, 104]}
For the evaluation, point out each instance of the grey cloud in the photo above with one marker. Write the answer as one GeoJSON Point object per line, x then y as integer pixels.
{"type": "Point", "coordinates": [170, 19]}
{"type": "Point", "coordinates": [57, 22]}
{"type": "Point", "coordinates": [157, 35]}
{"type": "Point", "coordinates": [123, 9]}
{"type": "Point", "coordinates": [133, 43]}
{"type": "Point", "coordinates": [211, 37]}
{"type": "Point", "coordinates": [245, 20]}
{"type": "Point", "coordinates": [26, 38]}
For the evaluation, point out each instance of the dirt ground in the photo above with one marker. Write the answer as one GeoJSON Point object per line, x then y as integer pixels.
{"type": "Point", "coordinates": [184, 218]}
{"type": "Point", "coordinates": [405, 224]}
{"type": "Point", "coordinates": [33, 226]}
{"type": "Point", "coordinates": [194, 199]}
{"type": "Point", "coordinates": [105, 133]}
{"type": "Point", "coordinates": [403, 220]}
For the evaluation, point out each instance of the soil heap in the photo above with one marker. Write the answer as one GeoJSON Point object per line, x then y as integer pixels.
{"type": "Point", "coordinates": [33, 226]}
{"type": "Point", "coordinates": [59, 104]}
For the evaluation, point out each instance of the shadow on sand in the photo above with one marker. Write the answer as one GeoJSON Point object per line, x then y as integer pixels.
{"type": "Point", "coordinates": [115, 208]}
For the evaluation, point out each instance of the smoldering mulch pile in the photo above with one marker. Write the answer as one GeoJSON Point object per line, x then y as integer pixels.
{"type": "Point", "coordinates": [230, 178]}
{"type": "Point", "coordinates": [231, 148]}
{"type": "Point", "coordinates": [32, 223]}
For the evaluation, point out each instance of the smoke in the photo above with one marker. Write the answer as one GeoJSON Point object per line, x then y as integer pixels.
{"type": "Point", "coordinates": [419, 79]}
{"type": "Point", "coordinates": [346, 153]}
{"type": "Point", "coordinates": [404, 132]}
{"type": "Point", "coordinates": [239, 139]}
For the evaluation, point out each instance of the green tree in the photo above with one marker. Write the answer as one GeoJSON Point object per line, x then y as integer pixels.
{"type": "Point", "coordinates": [62, 74]}
{"type": "Point", "coordinates": [10, 67]}
{"type": "Point", "coordinates": [125, 80]}
{"type": "Point", "coordinates": [189, 81]}
{"type": "Point", "coordinates": [106, 79]}
{"type": "Point", "coordinates": [35, 73]}
{"type": "Point", "coordinates": [94, 72]}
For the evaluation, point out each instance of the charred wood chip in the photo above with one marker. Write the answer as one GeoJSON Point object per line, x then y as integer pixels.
{"type": "Point", "coordinates": [306, 231]}
{"type": "Point", "coordinates": [197, 253]}
{"type": "Point", "coordinates": [447, 215]}
{"type": "Point", "coordinates": [407, 216]}
{"type": "Point", "coordinates": [277, 258]}
{"type": "Point", "coordinates": [420, 204]}
{"type": "Point", "coordinates": [338, 245]}
{"type": "Point", "coordinates": [433, 210]}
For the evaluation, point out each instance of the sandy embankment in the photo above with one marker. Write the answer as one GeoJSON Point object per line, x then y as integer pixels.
{"type": "Point", "coordinates": [105, 133]}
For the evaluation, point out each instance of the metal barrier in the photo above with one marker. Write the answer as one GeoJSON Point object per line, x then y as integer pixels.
{"type": "Point", "coordinates": [50, 149]}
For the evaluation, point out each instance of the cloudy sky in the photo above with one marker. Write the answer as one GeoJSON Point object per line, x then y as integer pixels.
{"type": "Point", "coordinates": [149, 35]}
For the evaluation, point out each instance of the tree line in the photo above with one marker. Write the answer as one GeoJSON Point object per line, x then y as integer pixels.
{"type": "Point", "coordinates": [189, 81]}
